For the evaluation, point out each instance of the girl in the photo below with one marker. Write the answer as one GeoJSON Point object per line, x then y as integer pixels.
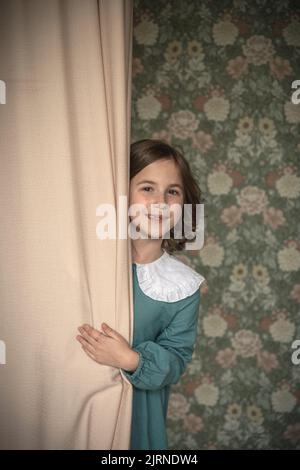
{"type": "Point", "coordinates": [166, 293]}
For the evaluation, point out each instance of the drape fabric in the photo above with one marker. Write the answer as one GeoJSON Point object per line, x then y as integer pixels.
{"type": "Point", "coordinates": [65, 137]}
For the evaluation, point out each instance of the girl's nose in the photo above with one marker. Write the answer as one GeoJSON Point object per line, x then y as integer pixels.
{"type": "Point", "coordinates": [160, 206]}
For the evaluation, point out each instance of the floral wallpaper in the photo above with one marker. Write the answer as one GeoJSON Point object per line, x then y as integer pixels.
{"type": "Point", "coordinates": [215, 78]}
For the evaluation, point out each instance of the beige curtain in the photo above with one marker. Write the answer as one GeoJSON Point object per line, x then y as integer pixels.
{"type": "Point", "coordinates": [65, 137]}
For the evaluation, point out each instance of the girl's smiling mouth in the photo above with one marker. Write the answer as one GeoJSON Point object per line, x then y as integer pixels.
{"type": "Point", "coordinates": [156, 217]}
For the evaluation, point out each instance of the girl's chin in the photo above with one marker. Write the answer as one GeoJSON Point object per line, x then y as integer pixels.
{"type": "Point", "coordinates": [156, 232]}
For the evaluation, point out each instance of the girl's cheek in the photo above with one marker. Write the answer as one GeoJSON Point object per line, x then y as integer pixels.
{"type": "Point", "coordinates": [140, 199]}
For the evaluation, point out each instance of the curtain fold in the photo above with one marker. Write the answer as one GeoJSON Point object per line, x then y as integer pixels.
{"type": "Point", "coordinates": [65, 137]}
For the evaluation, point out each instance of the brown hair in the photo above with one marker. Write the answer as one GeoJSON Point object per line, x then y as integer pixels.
{"type": "Point", "coordinates": [146, 151]}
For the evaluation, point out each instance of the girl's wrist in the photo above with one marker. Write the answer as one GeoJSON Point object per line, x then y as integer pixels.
{"type": "Point", "coordinates": [131, 361]}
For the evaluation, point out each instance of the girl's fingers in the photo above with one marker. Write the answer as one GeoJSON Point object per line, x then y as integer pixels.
{"type": "Point", "coordinates": [88, 337]}
{"type": "Point", "coordinates": [96, 334]}
{"type": "Point", "coordinates": [86, 344]}
{"type": "Point", "coordinates": [89, 354]}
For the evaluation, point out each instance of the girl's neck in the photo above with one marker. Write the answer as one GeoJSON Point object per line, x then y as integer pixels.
{"type": "Point", "coordinates": [146, 253]}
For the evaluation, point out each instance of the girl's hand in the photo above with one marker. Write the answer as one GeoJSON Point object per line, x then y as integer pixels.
{"type": "Point", "coordinates": [108, 348]}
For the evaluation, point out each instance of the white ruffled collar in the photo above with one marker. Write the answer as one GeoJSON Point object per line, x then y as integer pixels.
{"type": "Point", "coordinates": [167, 278]}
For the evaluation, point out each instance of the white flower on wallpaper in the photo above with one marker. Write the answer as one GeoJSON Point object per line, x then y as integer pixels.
{"type": "Point", "coordinates": [190, 442]}
{"type": "Point", "coordinates": [195, 50]}
{"type": "Point", "coordinates": [258, 50]}
{"type": "Point", "coordinates": [214, 325]}
{"type": "Point", "coordinates": [260, 274]}
{"type": "Point", "coordinates": [242, 139]}
{"type": "Point", "coordinates": [254, 414]}
{"type": "Point", "coordinates": [245, 124]}
{"type": "Point", "coordinates": [282, 330]}
{"type": "Point", "coordinates": [219, 182]}
{"type": "Point", "coordinates": [207, 394]}
{"type": "Point", "coordinates": [283, 401]}
{"type": "Point", "coordinates": [289, 259]}
{"type": "Point", "coordinates": [182, 124]}
{"type": "Point", "coordinates": [239, 271]}
{"type": "Point", "coordinates": [148, 107]}
{"type": "Point", "coordinates": [173, 50]}
{"type": "Point", "coordinates": [146, 33]}
{"type": "Point", "coordinates": [292, 112]}
{"type": "Point", "coordinates": [231, 424]}
{"type": "Point", "coordinates": [288, 186]}
{"type": "Point", "coordinates": [252, 200]}
{"type": "Point", "coordinates": [234, 411]}
{"type": "Point", "coordinates": [236, 286]}
{"type": "Point", "coordinates": [237, 278]}
{"type": "Point", "coordinates": [246, 343]}
{"type": "Point", "coordinates": [217, 108]}
{"type": "Point", "coordinates": [224, 32]}
{"type": "Point", "coordinates": [212, 254]}
{"type": "Point", "coordinates": [267, 127]}
{"type": "Point", "coordinates": [291, 33]}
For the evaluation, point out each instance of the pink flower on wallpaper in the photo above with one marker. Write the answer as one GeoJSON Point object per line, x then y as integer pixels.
{"type": "Point", "coordinates": [267, 361]}
{"type": "Point", "coordinates": [193, 423]}
{"type": "Point", "coordinates": [199, 102]}
{"type": "Point", "coordinates": [162, 135]}
{"type": "Point", "coordinates": [243, 27]}
{"type": "Point", "coordinates": [278, 26]}
{"type": "Point", "coordinates": [137, 66]}
{"type": "Point", "coordinates": [237, 177]}
{"type": "Point", "coordinates": [258, 50]}
{"type": "Point", "coordinates": [202, 141]}
{"type": "Point", "coordinates": [280, 67]}
{"type": "Point", "coordinates": [226, 358]}
{"type": "Point", "coordinates": [295, 293]}
{"type": "Point", "coordinates": [274, 217]}
{"type": "Point", "coordinates": [165, 101]}
{"type": "Point", "coordinates": [237, 67]}
{"type": "Point", "coordinates": [231, 216]}
{"type": "Point", "coordinates": [292, 433]}
{"type": "Point", "coordinates": [271, 178]}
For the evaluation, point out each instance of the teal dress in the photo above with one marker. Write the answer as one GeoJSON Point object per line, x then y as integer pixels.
{"type": "Point", "coordinates": [164, 335]}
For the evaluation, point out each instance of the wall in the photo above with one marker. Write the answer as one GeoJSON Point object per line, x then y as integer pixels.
{"type": "Point", "coordinates": [215, 78]}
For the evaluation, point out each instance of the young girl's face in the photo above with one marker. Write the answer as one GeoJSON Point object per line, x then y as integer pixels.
{"type": "Point", "coordinates": [157, 187]}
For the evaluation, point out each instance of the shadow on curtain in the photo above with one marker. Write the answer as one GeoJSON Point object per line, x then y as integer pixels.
{"type": "Point", "coordinates": [65, 138]}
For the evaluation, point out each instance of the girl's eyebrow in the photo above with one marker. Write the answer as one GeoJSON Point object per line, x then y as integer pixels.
{"type": "Point", "coordinates": [153, 182]}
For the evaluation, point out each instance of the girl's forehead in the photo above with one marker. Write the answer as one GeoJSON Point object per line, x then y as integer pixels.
{"type": "Point", "coordinates": [160, 170]}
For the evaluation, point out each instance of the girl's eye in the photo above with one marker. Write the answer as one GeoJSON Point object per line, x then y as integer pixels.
{"type": "Point", "coordinates": [175, 193]}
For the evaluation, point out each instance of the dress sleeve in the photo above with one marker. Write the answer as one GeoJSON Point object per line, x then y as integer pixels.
{"type": "Point", "coordinates": [164, 360]}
